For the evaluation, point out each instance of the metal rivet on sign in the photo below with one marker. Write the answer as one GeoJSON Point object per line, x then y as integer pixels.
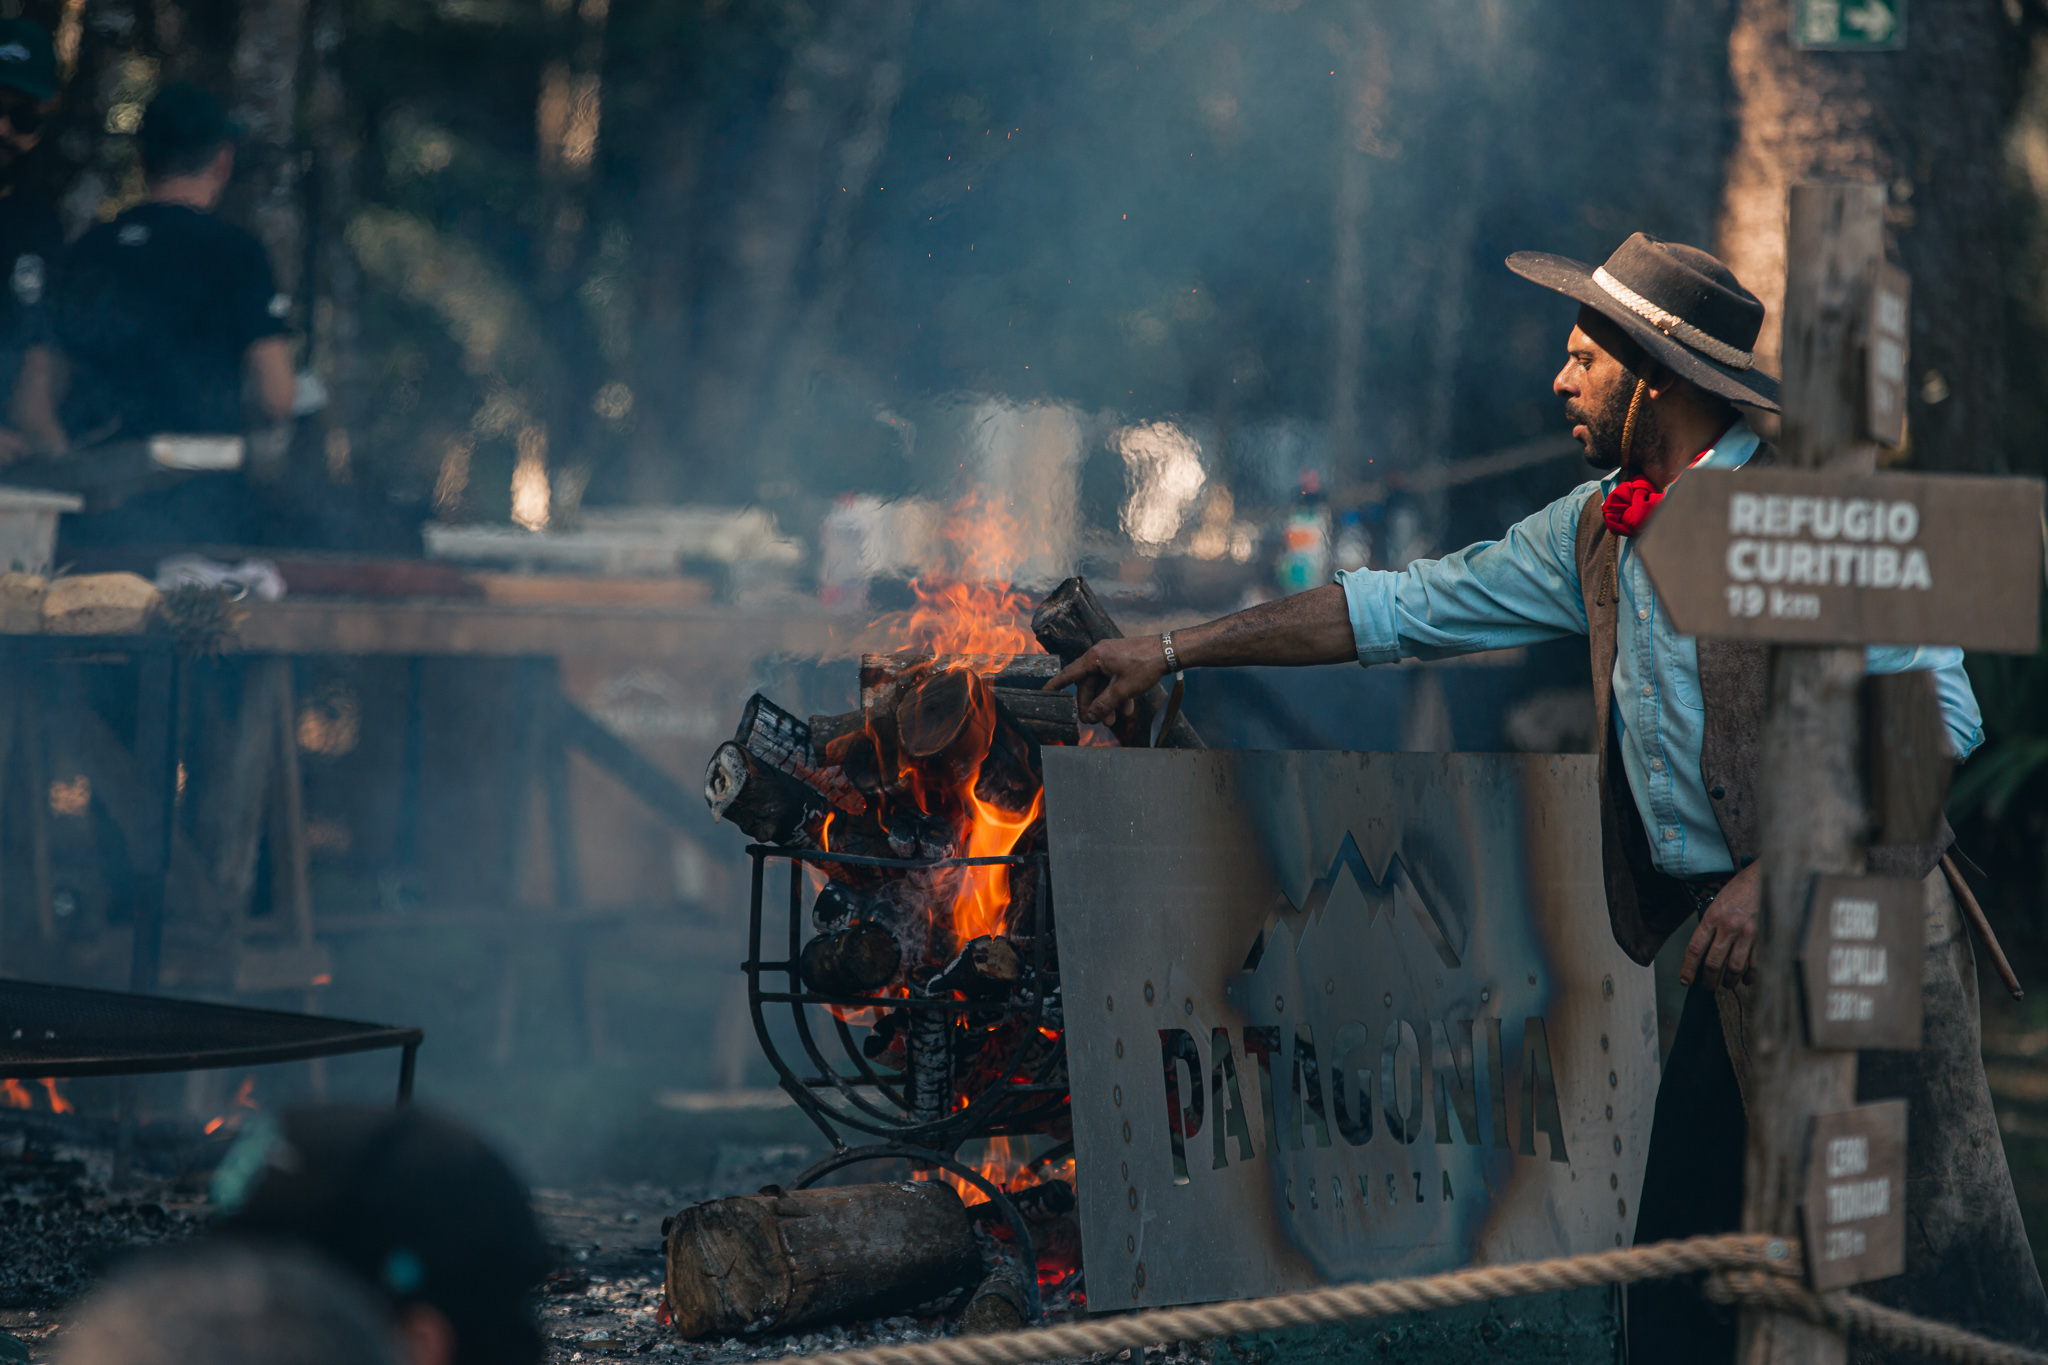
{"type": "Point", "coordinates": [1141, 1274]}
{"type": "Point", "coordinates": [1485, 996]}
{"type": "Point", "coordinates": [1279, 1004]}
{"type": "Point", "coordinates": [1330, 986]}
{"type": "Point", "coordinates": [1131, 1244]}
{"type": "Point", "coordinates": [1610, 1113]}
{"type": "Point", "coordinates": [1613, 1182]}
{"type": "Point", "coordinates": [1621, 1208]}
{"type": "Point", "coordinates": [1606, 986]}
{"type": "Point", "coordinates": [1109, 1002]}
{"type": "Point", "coordinates": [1776, 1250]}
{"type": "Point", "coordinates": [1127, 1130]}
{"type": "Point", "coordinates": [1532, 978]}
{"type": "Point", "coordinates": [1148, 992]}
{"type": "Point", "coordinates": [1617, 1144]}
{"type": "Point", "coordinates": [1390, 1000]}
{"type": "Point", "coordinates": [1133, 1196]}
{"type": "Point", "coordinates": [1119, 1047]}
{"type": "Point", "coordinates": [1188, 1005]}
{"type": "Point", "coordinates": [1603, 1042]}
{"type": "Point", "coordinates": [1126, 1170]}
{"type": "Point", "coordinates": [1613, 1080]}
{"type": "Point", "coordinates": [1116, 1092]}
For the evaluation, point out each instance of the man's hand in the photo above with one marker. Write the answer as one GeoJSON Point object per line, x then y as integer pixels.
{"type": "Point", "coordinates": [1720, 952]}
{"type": "Point", "coordinates": [1110, 677]}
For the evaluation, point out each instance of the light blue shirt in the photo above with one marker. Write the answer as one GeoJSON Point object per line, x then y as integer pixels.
{"type": "Point", "coordinates": [1524, 588]}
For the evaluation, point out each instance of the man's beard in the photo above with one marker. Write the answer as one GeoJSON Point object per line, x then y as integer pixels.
{"type": "Point", "coordinates": [1606, 427]}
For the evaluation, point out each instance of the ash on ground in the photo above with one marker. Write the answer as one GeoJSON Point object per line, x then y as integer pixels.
{"type": "Point", "coordinates": [76, 1196]}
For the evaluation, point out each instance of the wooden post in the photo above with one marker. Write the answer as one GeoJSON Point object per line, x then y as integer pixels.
{"type": "Point", "coordinates": [1813, 810]}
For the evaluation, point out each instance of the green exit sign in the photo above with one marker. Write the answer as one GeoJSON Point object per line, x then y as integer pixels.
{"type": "Point", "coordinates": [1849, 25]}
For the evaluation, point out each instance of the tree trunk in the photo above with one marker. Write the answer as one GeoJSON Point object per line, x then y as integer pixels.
{"type": "Point", "coordinates": [753, 302]}
{"type": "Point", "coordinates": [1926, 122]}
{"type": "Point", "coordinates": [264, 73]}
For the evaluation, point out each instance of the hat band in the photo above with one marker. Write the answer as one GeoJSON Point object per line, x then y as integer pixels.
{"type": "Point", "coordinates": [1672, 325]}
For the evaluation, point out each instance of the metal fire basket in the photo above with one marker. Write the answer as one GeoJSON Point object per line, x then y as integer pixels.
{"type": "Point", "coordinates": [880, 1103]}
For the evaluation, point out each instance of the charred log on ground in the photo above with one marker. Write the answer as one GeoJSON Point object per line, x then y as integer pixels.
{"type": "Point", "coordinates": [776, 1261]}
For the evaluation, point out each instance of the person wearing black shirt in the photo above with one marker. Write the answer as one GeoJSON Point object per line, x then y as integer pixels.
{"type": "Point", "coordinates": [30, 235]}
{"type": "Point", "coordinates": [161, 314]}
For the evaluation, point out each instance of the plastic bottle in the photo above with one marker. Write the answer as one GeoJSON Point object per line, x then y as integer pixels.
{"type": "Point", "coordinates": [1305, 542]}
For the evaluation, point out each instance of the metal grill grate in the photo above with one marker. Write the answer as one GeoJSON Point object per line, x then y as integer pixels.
{"type": "Point", "coordinates": [48, 1030]}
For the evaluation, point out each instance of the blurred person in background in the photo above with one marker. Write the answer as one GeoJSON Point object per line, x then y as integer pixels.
{"type": "Point", "coordinates": [163, 317]}
{"type": "Point", "coordinates": [414, 1205]}
{"type": "Point", "coordinates": [30, 235]}
{"type": "Point", "coordinates": [227, 1304]}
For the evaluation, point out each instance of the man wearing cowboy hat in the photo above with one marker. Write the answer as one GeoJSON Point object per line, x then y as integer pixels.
{"type": "Point", "coordinates": [1657, 373]}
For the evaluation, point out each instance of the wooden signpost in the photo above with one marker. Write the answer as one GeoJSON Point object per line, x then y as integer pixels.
{"type": "Point", "coordinates": [1823, 556]}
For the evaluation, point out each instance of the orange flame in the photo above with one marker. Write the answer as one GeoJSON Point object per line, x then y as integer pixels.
{"type": "Point", "coordinates": [982, 907]}
{"type": "Point", "coordinates": [1002, 1163]}
{"type": "Point", "coordinates": [16, 1093]}
{"type": "Point", "coordinates": [58, 1104]}
{"type": "Point", "coordinates": [967, 606]}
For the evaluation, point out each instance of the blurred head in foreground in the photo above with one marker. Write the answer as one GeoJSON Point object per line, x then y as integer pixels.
{"type": "Point", "coordinates": [230, 1304]}
{"type": "Point", "coordinates": [415, 1205]}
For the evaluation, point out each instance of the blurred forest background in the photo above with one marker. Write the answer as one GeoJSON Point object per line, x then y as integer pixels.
{"type": "Point", "coordinates": [769, 252]}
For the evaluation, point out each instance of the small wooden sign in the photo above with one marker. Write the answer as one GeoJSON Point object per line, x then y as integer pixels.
{"type": "Point", "coordinates": [1861, 965]}
{"type": "Point", "coordinates": [1885, 348]}
{"type": "Point", "coordinates": [1855, 1204]}
{"type": "Point", "coordinates": [1849, 25]}
{"type": "Point", "coordinates": [1821, 558]}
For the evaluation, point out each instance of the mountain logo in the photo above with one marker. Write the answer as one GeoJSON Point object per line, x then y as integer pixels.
{"type": "Point", "coordinates": [1386, 889]}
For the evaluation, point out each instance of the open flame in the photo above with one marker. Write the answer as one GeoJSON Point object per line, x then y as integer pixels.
{"type": "Point", "coordinates": [967, 606]}
{"type": "Point", "coordinates": [15, 1095]}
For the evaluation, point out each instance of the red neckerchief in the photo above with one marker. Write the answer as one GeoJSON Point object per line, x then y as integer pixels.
{"type": "Point", "coordinates": [1628, 507]}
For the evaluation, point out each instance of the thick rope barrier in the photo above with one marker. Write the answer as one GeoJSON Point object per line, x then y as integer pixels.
{"type": "Point", "coordinates": [1852, 1315]}
{"type": "Point", "coordinates": [1745, 1268]}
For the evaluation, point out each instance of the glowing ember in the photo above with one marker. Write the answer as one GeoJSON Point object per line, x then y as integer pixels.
{"type": "Point", "coordinates": [245, 1098]}
{"type": "Point", "coordinates": [58, 1104]}
{"type": "Point", "coordinates": [16, 1094]}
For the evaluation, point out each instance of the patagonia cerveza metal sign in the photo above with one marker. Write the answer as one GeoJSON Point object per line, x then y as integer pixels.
{"type": "Point", "coordinates": [1337, 1016]}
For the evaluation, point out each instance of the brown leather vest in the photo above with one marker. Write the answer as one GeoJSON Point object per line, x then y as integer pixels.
{"type": "Point", "coordinates": [1643, 904]}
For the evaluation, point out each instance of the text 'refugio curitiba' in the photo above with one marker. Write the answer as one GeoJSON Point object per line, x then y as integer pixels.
{"type": "Point", "coordinates": [1787, 540]}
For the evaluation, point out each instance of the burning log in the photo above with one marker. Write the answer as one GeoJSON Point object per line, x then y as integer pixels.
{"type": "Point", "coordinates": [765, 803]}
{"type": "Point", "coordinates": [839, 904]}
{"type": "Point", "coordinates": [928, 1054]}
{"type": "Point", "coordinates": [826, 730]}
{"type": "Point", "coordinates": [780, 740]}
{"type": "Point", "coordinates": [945, 723]}
{"type": "Point", "coordinates": [1043, 717]}
{"type": "Point", "coordinates": [999, 1303]}
{"type": "Point", "coordinates": [851, 960]}
{"type": "Point", "coordinates": [1071, 620]}
{"type": "Point", "coordinates": [985, 969]}
{"type": "Point", "coordinates": [774, 1262]}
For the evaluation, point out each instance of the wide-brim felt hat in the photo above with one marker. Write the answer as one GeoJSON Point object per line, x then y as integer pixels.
{"type": "Point", "coordinates": [1678, 303]}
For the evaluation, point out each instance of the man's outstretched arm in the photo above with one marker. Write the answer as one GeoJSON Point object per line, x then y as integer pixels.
{"type": "Point", "coordinates": [1312, 627]}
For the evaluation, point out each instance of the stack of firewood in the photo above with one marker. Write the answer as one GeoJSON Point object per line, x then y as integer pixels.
{"type": "Point", "coordinates": [939, 742]}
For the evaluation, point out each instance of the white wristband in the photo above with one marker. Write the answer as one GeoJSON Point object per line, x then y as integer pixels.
{"type": "Point", "coordinates": [1172, 659]}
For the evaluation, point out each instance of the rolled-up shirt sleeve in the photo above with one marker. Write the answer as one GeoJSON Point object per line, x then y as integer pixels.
{"type": "Point", "coordinates": [1518, 590]}
{"type": "Point", "coordinates": [1952, 689]}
